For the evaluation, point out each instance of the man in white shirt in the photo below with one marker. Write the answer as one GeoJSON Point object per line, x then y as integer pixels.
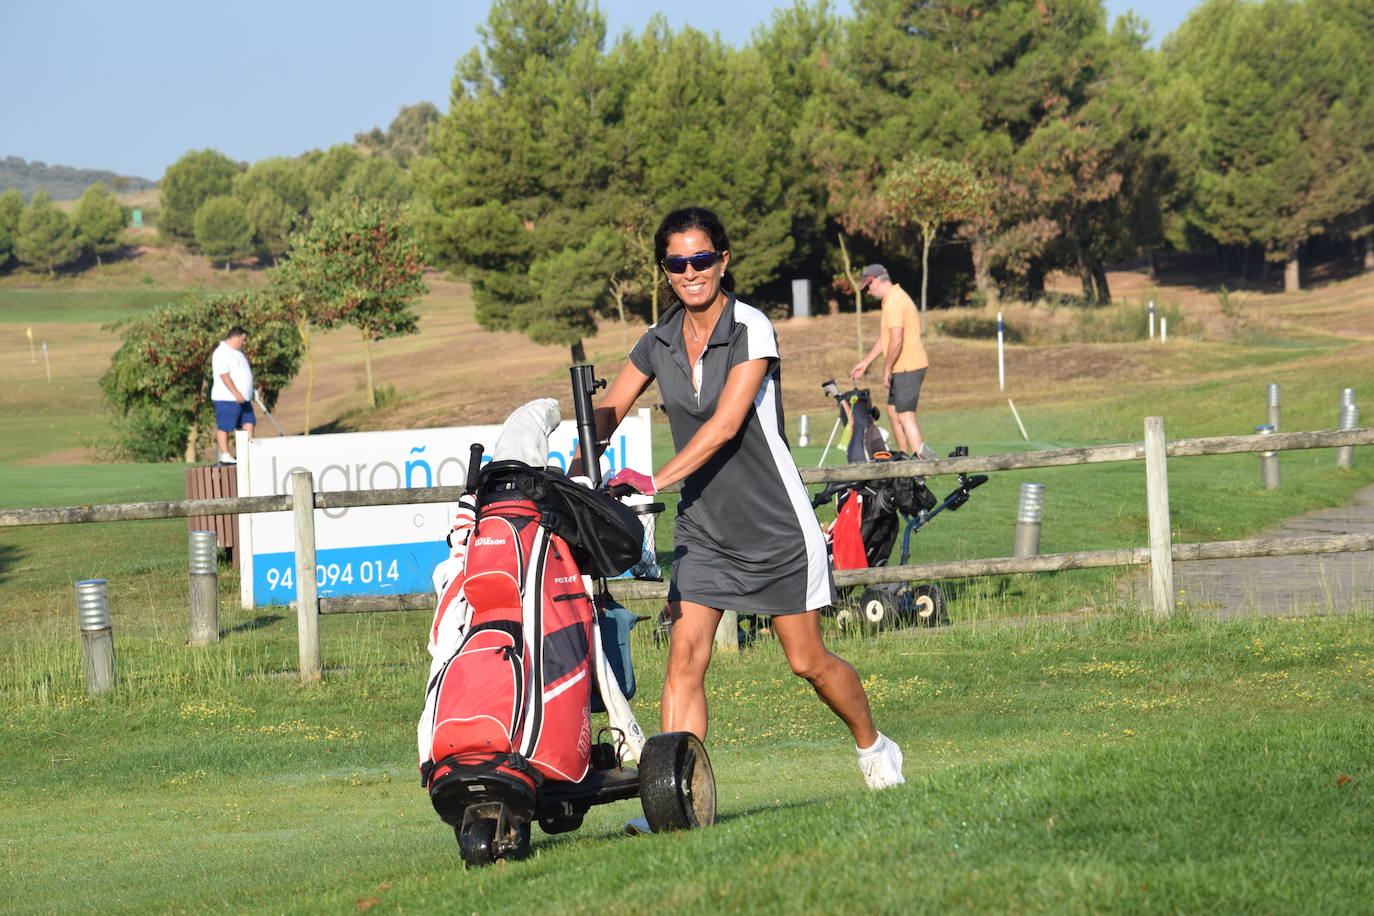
{"type": "Point", "coordinates": [231, 391]}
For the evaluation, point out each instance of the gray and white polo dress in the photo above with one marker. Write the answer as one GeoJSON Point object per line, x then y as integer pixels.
{"type": "Point", "coordinates": [747, 539]}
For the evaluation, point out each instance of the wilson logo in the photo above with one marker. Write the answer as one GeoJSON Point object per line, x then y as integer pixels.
{"type": "Point", "coordinates": [566, 580]}
{"type": "Point", "coordinates": [489, 542]}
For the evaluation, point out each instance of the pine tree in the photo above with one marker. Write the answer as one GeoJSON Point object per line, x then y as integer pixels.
{"type": "Point", "coordinates": [99, 221]}
{"type": "Point", "coordinates": [223, 231]}
{"type": "Point", "coordinates": [46, 237]}
{"type": "Point", "coordinates": [188, 183]}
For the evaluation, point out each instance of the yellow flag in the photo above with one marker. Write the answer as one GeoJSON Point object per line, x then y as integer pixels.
{"type": "Point", "coordinates": [29, 332]}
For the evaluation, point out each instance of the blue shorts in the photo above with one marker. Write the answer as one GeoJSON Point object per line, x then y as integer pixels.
{"type": "Point", "coordinates": [231, 415]}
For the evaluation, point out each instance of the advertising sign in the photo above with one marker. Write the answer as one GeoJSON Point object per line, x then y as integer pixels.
{"type": "Point", "coordinates": [378, 550]}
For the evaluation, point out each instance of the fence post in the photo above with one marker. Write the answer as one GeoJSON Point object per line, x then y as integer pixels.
{"type": "Point", "coordinates": [1274, 406]}
{"type": "Point", "coordinates": [1029, 514]}
{"type": "Point", "coordinates": [1350, 419]}
{"type": "Point", "coordinates": [1269, 461]}
{"type": "Point", "coordinates": [1157, 509]}
{"type": "Point", "coordinates": [97, 635]}
{"type": "Point", "coordinates": [203, 576]}
{"type": "Point", "coordinates": [307, 597]}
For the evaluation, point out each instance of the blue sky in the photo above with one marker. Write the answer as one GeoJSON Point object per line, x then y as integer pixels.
{"type": "Point", "coordinates": [131, 86]}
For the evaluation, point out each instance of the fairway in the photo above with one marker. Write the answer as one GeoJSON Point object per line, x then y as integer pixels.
{"type": "Point", "coordinates": [1063, 753]}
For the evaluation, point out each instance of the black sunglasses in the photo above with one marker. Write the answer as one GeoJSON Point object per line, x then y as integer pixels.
{"type": "Point", "coordinates": [676, 264]}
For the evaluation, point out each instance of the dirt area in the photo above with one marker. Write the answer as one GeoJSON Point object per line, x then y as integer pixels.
{"type": "Point", "coordinates": [1333, 583]}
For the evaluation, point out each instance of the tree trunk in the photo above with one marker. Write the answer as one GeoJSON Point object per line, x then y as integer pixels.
{"type": "Point", "coordinates": [1154, 264]}
{"type": "Point", "coordinates": [1085, 277]}
{"type": "Point", "coordinates": [1369, 253]}
{"type": "Point", "coordinates": [191, 442]}
{"type": "Point", "coordinates": [304, 328]}
{"type": "Point", "coordinates": [982, 272]}
{"type": "Point", "coordinates": [367, 361]}
{"type": "Point", "coordinates": [1104, 292]}
{"type": "Point", "coordinates": [1292, 281]}
{"type": "Point", "coordinates": [579, 354]}
{"type": "Point", "coordinates": [925, 264]}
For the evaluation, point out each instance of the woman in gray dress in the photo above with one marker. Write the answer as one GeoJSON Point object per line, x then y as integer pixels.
{"type": "Point", "coordinates": [746, 538]}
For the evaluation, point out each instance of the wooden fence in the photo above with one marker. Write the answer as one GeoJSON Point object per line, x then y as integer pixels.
{"type": "Point", "coordinates": [1158, 555]}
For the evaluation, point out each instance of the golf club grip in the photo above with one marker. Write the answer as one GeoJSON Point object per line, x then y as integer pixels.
{"type": "Point", "coordinates": [474, 466]}
{"type": "Point", "coordinates": [622, 489]}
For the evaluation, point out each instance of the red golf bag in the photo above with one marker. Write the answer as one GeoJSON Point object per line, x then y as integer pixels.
{"type": "Point", "coordinates": [510, 707]}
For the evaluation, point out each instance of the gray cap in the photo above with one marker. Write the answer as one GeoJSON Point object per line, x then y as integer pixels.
{"type": "Point", "coordinates": [872, 272]}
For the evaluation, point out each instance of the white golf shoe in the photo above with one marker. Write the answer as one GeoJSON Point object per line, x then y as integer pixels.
{"type": "Point", "coordinates": [882, 763]}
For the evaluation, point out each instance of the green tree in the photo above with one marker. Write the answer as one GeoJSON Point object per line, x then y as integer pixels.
{"type": "Point", "coordinates": [158, 383]}
{"type": "Point", "coordinates": [929, 192]}
{"type": "Point", "coordinates": [326, 172]}
{"type": "Point", "coordinates": [407, 137]}
{"type": "Point", "coordinates": [46, 237]}
{"type": "Point", "coordinates": [11, 209]}
{"type": "Point", "coordinates": [277, 195]}
{"type": "Point", "coordinates": [1280, 124]}
{"type": "Point", "coordinates": [188, 183]}
{"type": "Point", "coordinates": [972, 82]}
{"type": "Point", "coordinates": [358, 265]}
{"type": "Point", "coordinates": [379, 179]}
{"type": "Point", "coordinates": [223, 230]}
{"type": "Point", "coordinates": [99, 221]}
{"type": "Point", "coordinates": [555, 154]}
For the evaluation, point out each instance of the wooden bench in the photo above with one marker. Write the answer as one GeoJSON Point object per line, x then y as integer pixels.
{"type": "Point", "coordinates": [215, 481]}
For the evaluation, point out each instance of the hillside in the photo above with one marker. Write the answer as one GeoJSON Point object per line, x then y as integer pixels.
{"type": "Point", "coordinates": [62, 182]}
{"type": "Point", "coordinates": [454, 373]}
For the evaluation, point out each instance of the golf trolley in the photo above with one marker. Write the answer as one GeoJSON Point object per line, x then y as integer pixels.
{"type": "Point", "coordinates": [523, 654]}
{"type": "Point", "coordinates": [867, 519]}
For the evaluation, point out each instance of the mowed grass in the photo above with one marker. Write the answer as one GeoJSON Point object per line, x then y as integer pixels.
{"type": "Point", "coordinates": [1111, 765]}
{"type": "Point", "coordinates": [1116, 766]}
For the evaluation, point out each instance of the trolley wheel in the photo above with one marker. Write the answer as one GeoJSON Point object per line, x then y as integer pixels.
{"type": "Point", "coordinates": [677, 787]}
{"type": "Point", "coordinates": [878, 610]}
{"type": "Point", "coordinates": [489, 839]}
{"type": "Point", "coordinates": [928, 606]}
{"type": "Point", "coordinates": [477, 842]}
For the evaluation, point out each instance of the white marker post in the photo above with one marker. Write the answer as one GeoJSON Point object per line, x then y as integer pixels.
{"type": "Point", "coordinates": [802, 438]}
{"type": "Point", "coordinates": [47, 366]}
{"type": "Point", "coordinates": [33, 358]}
{"type": "Point", "coordinates": [1152, 319]}
{"type": "Point", "coordinates": [1163, 329]}
{"type": "Point", "coordinates": [1001, 360]}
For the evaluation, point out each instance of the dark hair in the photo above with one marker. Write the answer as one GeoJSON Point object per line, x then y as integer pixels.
{"type": "Point", "coordinates": [236, 331]}
{"type": "Point", "coordinates": [693, 218]}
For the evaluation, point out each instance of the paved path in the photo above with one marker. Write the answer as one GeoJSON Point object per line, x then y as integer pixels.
{"type": "Point", "coordinates": [1332, 583]}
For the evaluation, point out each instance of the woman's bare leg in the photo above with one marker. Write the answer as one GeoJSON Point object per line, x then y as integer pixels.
{"type": "Point", "coordinates": [689, 654]}
{"type": "Point", "coordinates": [834, 679]}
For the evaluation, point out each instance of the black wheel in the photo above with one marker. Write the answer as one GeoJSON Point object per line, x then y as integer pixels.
{"type": "Point", "coordinates": [677, 787]}
{"type": "Point", "coordinates": [928, 606]}
{"type": "Point", "coordinates": [486, 840]}
{"type": "Point", "coordinates": [477, 842]}
{"type": "Point", "coordinates": [877, 610]}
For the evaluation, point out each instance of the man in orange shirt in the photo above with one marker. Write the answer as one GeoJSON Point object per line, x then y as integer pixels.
{"type": "Point", "coordinates": [904, 358]}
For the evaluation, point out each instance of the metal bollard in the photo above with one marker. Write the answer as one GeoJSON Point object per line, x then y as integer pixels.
{"type": "Point", "coordinates": [203, 578]}
{"type": "Point", "coordinates": [1029, 515]}
{"type": "Point", "coordinates": [97, 635]}
{"type": "Point", "coordinates": [1269, 461]}
{"type": "Point", "coordinates": [1350, 419]}
{"type": "Point", "coordinates": [1274, 406]}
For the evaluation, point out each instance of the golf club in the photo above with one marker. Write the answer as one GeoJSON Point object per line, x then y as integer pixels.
{"type": "Point", "coordinates": [257, 397]}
